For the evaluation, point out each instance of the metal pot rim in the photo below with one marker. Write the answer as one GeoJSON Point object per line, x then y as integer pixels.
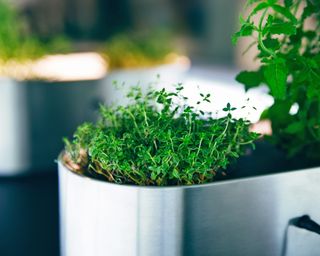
{"type": "Point", "coordinates": [163, 188]}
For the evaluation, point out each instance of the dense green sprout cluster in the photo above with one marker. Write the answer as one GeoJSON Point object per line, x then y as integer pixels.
{"type": "Point", "coordinates": [158, 139]}
{"type": "Point", "coordinates": [287, 35]}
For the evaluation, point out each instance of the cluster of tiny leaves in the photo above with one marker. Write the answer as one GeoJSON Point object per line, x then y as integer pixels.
{"type": "Point", "coordinates": [289, 52]}
{"type": "Point", "coordinates": [158, 139]}
{"type": "Point", "coordinates": [16, 41]}
{"type": "Point", "coordinates": [138, 49]}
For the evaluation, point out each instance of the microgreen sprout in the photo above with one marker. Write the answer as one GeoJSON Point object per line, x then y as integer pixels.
{"type": "Point", "coordinates": [158, 140]}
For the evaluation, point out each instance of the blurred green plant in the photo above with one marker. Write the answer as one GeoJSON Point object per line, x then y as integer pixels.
{"type": "Point", "coordinates": [158, 140]}
{"type": "Point", "coordinates": [18, 43]}
{"type": "Point", "coordinates": [131, 50]}
{"type": "Point", "coordinates": [289, 53]}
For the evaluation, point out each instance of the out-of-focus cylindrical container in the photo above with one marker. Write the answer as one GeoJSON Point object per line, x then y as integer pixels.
{"type": "Point", "coordinates": [118, 82]}
{"type": "Point", "coordinates": [37, 113]}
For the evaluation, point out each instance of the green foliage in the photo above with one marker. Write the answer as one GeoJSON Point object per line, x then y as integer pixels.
{"type": "Point", "coordinates": [130, 50]}
{"type": "Point", "coordinates": [16, 41]}
{"type": "Point", "coordinates": [158, 139]}
{"type": "Point", "coordinates": [290, 55]}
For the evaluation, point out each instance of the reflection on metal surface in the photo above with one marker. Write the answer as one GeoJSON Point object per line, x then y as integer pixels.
{"type": "Point", "coordinates": [237, 217]}
{"type": "Point", "coordinates": [301, 242]}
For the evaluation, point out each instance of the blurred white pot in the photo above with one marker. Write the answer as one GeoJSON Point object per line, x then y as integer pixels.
{"type": "Point", "coordinates": [36, 114]}
{"type": "Point", "coordinates": [118, 82]}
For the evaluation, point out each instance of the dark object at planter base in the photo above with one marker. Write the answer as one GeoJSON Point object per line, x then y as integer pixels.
{"type": "Point", "coordinates": [302, 237]}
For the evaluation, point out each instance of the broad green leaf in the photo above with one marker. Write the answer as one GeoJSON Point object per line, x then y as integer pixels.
{"type": "Point", "coordinates": [301, 76]}
{"type": "Point", "coordinates": [250, 79]}
{"type": "Point", "coordinates": [317, 60]}
{"type": "Point", "coordinates": [272, 1]}
{"type": "Point", "coordinates": [285, 28]}
{"type": "Point", "coordinates": [295, 127]}
{"type": "Point", "coordinates": [288, 3]}
{"type": "Point", "coordinates": [271, 43]}
{"type": "Point", "coordinates": [275, 75]}
{"type": "Point", "coordinates": [314, 84]}
{"type": "Point", "coordinates": [279, 113]}
{"type": "Point", "coordinates": [285, 12]}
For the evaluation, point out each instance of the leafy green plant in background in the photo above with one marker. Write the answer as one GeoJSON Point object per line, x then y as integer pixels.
{"type": "Point", "coordinates": [131, 50]}
{"type": "Point", "coordinates": [158, 140]}
{"type": "Point", "coordinates": [18, 43]}
{"type": "Point", "coordinates": [289, 53]}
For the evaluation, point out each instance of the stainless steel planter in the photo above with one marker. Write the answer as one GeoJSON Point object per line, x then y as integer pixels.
{"type": "Point", "coordinates": [35, 115]}
{"type": "Point", "coordinates": [238, 217]}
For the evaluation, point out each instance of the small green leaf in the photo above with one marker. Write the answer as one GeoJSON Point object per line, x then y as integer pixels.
{"type": "Point", "coordinates": [246, 30]}
{"type": "Point", "coordinates": [153, 176]}
{"type": "Point", "coordinates": [250, 79]}
{"type": "Point", "coordinates": [175, 174]}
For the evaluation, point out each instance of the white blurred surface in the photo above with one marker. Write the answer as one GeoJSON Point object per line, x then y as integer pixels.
{"type": "Point", "coordinates": [70, 67]}
{"type": "Point", "coordinates": [61, 67]}
{"type": "Point", "coordinates": [221, 84]}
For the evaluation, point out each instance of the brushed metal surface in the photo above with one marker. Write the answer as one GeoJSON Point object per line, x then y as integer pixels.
{"type": "Point", "coordinates": [300, 239]}
{"type": "Point", "coordinates": [35, 115]}
{"type": "Point", "coordinates": [238, 217]}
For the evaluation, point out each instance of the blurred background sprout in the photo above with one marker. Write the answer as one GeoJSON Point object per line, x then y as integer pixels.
{"type": "Point", "coordinates": [18, 43]}
{"type": "Point", "coordinates": [131, 50]}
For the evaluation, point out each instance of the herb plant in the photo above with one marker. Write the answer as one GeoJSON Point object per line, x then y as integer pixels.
{"type": "Point", "coordinates": [17, 43]}
{"type": "Point", "coordinates": [289, 53]}
{"type": "Point", "coordinates": [131, 50]}
{"type": "Point", "coordinates": [158, 139]}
